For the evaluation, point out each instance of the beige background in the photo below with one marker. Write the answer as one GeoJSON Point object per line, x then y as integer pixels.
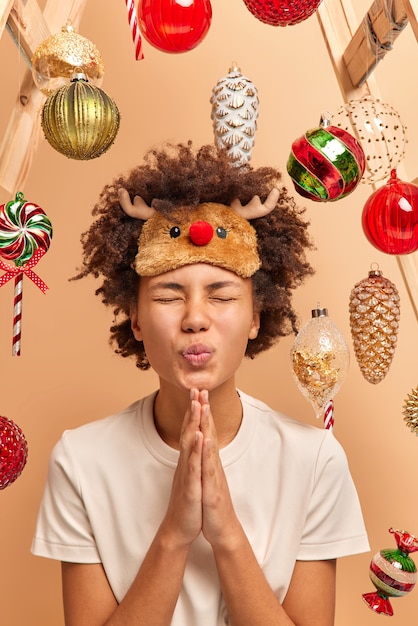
{"type": "Point", "coordinates": [68, 374]}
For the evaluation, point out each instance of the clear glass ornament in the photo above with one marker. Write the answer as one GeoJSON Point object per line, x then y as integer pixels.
{"type": "Point", "coordinates": [320, 360]}
{"type": "Point", "coordinates": [379, 130]}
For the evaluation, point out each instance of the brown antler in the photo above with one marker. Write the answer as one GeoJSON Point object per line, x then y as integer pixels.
{"type": "Point", "coordinates": [138, 209]}
{"type": "Point", "coordinates": [256, 208]}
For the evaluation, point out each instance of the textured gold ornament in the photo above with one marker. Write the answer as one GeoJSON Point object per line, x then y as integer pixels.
{"type": "Point", "coordinates": [374, 321]}
{"type": "Point", "coordinates": [80, 120]}
{"type": "Point", "coordinates": [234, 114]}
{"type": "Point", "coordinates": [411, 411]}
{"type": "Point", "coordinates": [57, 58]}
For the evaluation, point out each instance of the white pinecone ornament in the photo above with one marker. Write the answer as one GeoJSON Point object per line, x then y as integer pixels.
{"type": "Point", "coordinates": [411, 411]}
{"type": "Point", "coordinates": [234, 114]}
{"type": "Point", "coordinates": [374, 321]}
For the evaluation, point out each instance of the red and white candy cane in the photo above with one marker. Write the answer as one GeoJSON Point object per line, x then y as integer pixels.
{"type": "Point", "coordinates": [329, 415]}
{"type": "Point", "coordinates": [136, 33]}
{"type": "Point", "coordinates": [17, 315]}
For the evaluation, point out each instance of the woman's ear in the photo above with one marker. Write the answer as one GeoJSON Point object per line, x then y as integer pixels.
{"type": "Point", "coordinates": [255, 326]}
{"type": "Point", "coordinates": [136, 330]}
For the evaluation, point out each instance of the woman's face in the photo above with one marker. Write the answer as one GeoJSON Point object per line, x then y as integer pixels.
{"type": "Point", "coordinates": [195, 323]}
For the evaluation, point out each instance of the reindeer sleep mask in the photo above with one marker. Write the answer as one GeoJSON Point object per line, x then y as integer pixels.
{"type": "Point", "coordinates": [209, 233]}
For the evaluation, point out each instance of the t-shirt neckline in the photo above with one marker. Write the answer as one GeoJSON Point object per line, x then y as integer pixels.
{"type": "Point", "coordinates": [167, 455]}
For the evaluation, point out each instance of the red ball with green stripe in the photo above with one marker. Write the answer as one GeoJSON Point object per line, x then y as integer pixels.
{"type": "Point", "coordinates": [326, 163]}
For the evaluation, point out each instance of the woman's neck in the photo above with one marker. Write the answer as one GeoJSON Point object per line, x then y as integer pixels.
{"type": "Point", "coordinates": [171, 405]}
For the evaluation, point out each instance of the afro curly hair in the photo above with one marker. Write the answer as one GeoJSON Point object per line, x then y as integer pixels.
{"type": "Point", "coordinates": [175, 175]}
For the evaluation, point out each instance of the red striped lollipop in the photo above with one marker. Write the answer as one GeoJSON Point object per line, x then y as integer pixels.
{"type": "Point", "coordinates": [25, 235]}
{"type": "Point", "coordinates": [24, 228]}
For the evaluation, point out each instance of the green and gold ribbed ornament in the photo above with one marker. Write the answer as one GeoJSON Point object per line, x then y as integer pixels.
{"type": "Point", "coordinates": [80, 120]}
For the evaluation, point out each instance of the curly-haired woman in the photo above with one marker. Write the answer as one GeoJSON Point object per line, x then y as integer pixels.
{"type": "Point", "coordinates": [198, 505]}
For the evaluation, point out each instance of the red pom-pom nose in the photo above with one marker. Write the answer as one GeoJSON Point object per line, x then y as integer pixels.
{"type": "Point", "coordinates": [201, 233]}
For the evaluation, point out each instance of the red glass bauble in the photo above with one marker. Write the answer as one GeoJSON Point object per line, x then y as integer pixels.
{"type": "Point", "coordinates": [390, 217]}
{"type": "Point", "coordinates": [282, 12]}
{"type": "Point", "coordinates": [174, 25]}
{"type": "Point", "coordinates": [13, 452]}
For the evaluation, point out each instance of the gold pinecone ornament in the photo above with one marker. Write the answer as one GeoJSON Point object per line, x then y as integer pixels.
{"type": "Point", "coordinates": [374, 321]}
{"type": "Point", "coordinates": [410, 411]}
{"type": "Point", "coordinates": [234, 114]}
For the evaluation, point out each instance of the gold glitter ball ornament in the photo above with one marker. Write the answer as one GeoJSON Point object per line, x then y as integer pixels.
{"type": "Point", "coordinates": [234, 114]}
{"type": "Point", "coordinates": [80, 120]}
{"type": "Point", "coordinates": [320, 360]}
{"type": "Point", "coordinates": [57, 58]}
{"type": "Point", "coordinates": [411, 410]}
{"type": "Point", "coordinates": [374, 322]}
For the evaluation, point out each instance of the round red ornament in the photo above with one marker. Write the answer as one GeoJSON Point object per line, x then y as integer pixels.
{"type": "Point", "coordinates": [174, 25]}
{"type": "Point", "coordinates": [13, 452]}
{"type": "Point", "coordinates": [390, 217]}
{"type": "Point", "coordinates": [282, 12]}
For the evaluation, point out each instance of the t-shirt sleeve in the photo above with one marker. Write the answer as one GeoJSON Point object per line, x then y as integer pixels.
{"type": "Point", "coordinates": [63, 530]}
{"type": "Point", "coordinates": [334, 525]}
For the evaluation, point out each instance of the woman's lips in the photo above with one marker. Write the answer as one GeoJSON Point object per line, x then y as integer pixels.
{"type": "Point", "coordinates": [197, 355]}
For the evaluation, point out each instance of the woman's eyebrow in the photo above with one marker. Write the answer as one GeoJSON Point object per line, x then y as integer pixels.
{"type": "Point", "coordinates": [166, 285]}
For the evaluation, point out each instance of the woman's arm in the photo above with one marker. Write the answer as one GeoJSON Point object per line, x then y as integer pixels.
{"type": "Point", "coordinates": [310, 600]}
{"type": "Point", "coordinates": [152, 597]}
{"type": "Point", "coordinates": [249, 599]}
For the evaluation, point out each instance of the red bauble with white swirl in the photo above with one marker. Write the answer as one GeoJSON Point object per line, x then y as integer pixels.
{"type": "Point", "coordinates": [13, 452]}
{"type": "Point", "coordinates": [282, 12]}
{"type": "Point", "coordinates": [390, 217]}
{"type": "Point", "coordinates": [24, 228]}
{"type": "Point", "coordinates": [174, 25]}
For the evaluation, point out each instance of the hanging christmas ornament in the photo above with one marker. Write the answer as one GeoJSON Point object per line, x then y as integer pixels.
{"type": "Point", "coordinates": [25, 236]}
{"type": "Point", "coordinates": [320, 360]}
{"type": "Point", "coordinates": [374, 321]}
{"type": "Point", "coordinates": [390, 217]}
{"type": "Point", "coordinates": [326, 163]}
{"type": "Point", "coordinates": [392, 572]}
{"type": "Point", "coordinates": [380, 132]}
{"type": "Point", "coordinates": [282, 12]}
{"type": "Point", "coordinates": [234, 114]}
{"type": "Point", "coordinates": [174, 25]}
{"type": "Point", "coordinates": [13, 452]}
{"type": "Point", "coordinates": [80, 120]}
{"type": "Point", "coordinates": [57, 58]}
{"type": "Point", "coordinates": [411, 411]}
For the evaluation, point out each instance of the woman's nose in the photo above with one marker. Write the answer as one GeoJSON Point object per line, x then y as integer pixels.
{"type": "Point", "coordinates": [196, 318]}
